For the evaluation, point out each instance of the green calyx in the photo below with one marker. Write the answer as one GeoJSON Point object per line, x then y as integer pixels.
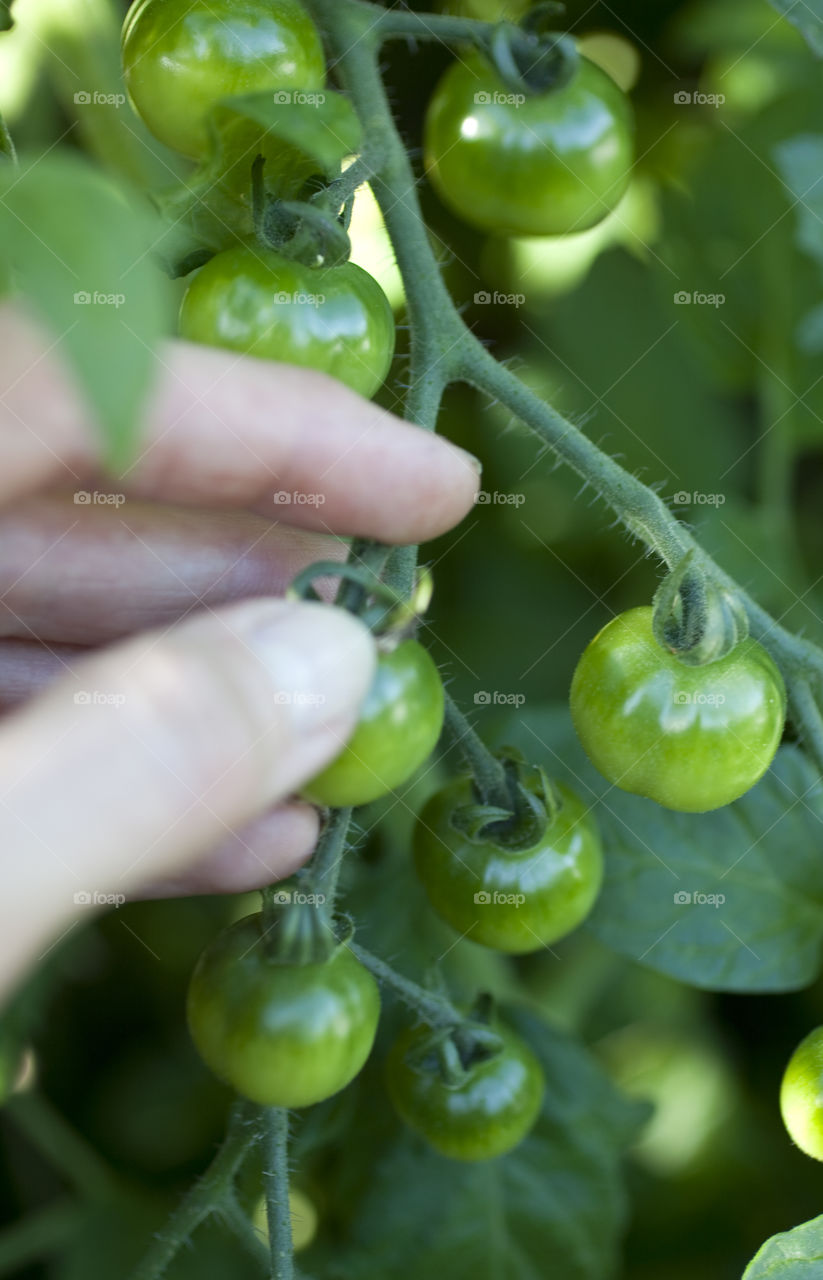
{"type": "Point", "coordinates": [696, 619]}
{"type": "Point", "coordinates": [296, 926]}
{"type": "Point", "coordinates": [452, 1052]}
{"type": "Point", "coordinates": [531, 60]}
{"type": "Point", "coordinates": [534, 805]}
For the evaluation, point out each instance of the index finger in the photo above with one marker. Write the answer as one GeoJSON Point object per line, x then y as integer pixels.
{"type": "Point", "coordinates": [235, 431]}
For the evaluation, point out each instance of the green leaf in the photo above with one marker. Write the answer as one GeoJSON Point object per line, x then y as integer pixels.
{"type": "Point", "coordinates": [760, 855]}
{"type": "Point", "coordinates": [559, 1195]}
{"type": "Point", "coordinates": [807, 16]}
{"type": "Point", "coordinates": [791, 1255]}
{"type": "Point", "coordinates": [321, 124]}
{"type": "Point", "coordinates": [81, 256]}
{"type": "Point", "coordinates": [5, 15]}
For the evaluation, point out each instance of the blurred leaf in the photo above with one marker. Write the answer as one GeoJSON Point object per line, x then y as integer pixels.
{"type": "Point", "coordinates": [762, 854]}
{"type": "Point", "coordinates": [558, 1195]}
{"type": "Point", "coordinates": [80, 253]}
{"type": "Point", "coordinates": [321, 124]}
{"type": "Point", "coordinates": [5, 15]}
{"type": "Point", "coordinates": [807, 16]}
{"type": "Point", "coordinates": [792, 1255]}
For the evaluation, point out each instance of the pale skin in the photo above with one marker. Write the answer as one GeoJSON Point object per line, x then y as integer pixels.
{"type": "Point", "coordinates": [161, 702]}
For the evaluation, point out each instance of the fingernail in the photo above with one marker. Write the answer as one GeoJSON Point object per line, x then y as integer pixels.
{"type": "Point", "coordinates": [320, 660]}
{"type": "Point", "coordinates": [469, 458]}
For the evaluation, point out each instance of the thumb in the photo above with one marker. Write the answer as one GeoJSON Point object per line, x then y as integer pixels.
{"type": "Point", "coordinates": [155, 749]}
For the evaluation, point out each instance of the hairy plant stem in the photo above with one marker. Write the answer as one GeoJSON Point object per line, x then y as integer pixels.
{"type": "Point", "coordinates": [486, 770]}
{"type": "Point", "coordinates": [207, 1196]}
{"type": "Point", "coordinates": [323, 871]}
{"type": "Point", "coordinates": [435, 1010]}
{"type": "Point", "coordinates": [444, 350]}
{"type": "Point", "coordinates": [276, 1174]}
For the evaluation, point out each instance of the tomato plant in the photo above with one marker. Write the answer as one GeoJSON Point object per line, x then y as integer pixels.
{"type": "Point", "coordinates": [482, 1109]}
{"type": "Point", "coordinates": [513, 899]}
{"type": "Point", "coordinates": [690, 737]}
{"type": "Point", "coordinates": [584, 874]}
{"type": "Point", "coordinates": [543, 164]}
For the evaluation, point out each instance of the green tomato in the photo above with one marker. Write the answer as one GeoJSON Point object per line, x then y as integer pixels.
{"type": "Point", "coordinates": [485, 1113]}
{"type": "Point", "coordinates": [181, 57]}
{"type": "Point", "coordinates": [801, 1095]}
{"type": "Point", "coordinates": [284, 1035]}
{"type": "Point", "coordinates": [691, 738]}
{"type": "Point", "coordinates": [512, 900]}
{"type": "Point", "coordinates": [253, 300]}
{"type": "Point", "coordinates": [555, 163]}
{"type": "Point", "coordinates": [400, 722]}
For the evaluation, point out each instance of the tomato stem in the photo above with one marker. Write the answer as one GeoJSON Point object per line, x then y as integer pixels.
{"type": "Point", "coordinates": [276, 1174]}
{"type": "Point", "coordinates": [206, 1196]}
{"type": "Point", "coordinates": [488, 772]}
{"type": "Point", "coordinates": [433, 1009]}
{"type": "Point", "coordinates": [323, 872]}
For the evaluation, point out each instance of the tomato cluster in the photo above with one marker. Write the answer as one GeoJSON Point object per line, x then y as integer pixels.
{"type": "Point", "coordinates": [180, 61]}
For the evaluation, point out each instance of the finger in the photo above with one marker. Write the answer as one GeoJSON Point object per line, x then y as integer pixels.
{"type": "Point", "coordinates": [229, 430]}
{"type": "Point", "coordinates": [27, 668]}
{"type": "Point", "coordinates": [185, 737]}
{"type": "Point", "coordinates": [88, 574]}
{"type": "Point", "coordinates": [275, 845]}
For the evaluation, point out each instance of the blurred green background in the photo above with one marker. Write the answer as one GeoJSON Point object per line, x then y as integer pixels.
{"type": "Point", "coordinates": [723, 401]}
